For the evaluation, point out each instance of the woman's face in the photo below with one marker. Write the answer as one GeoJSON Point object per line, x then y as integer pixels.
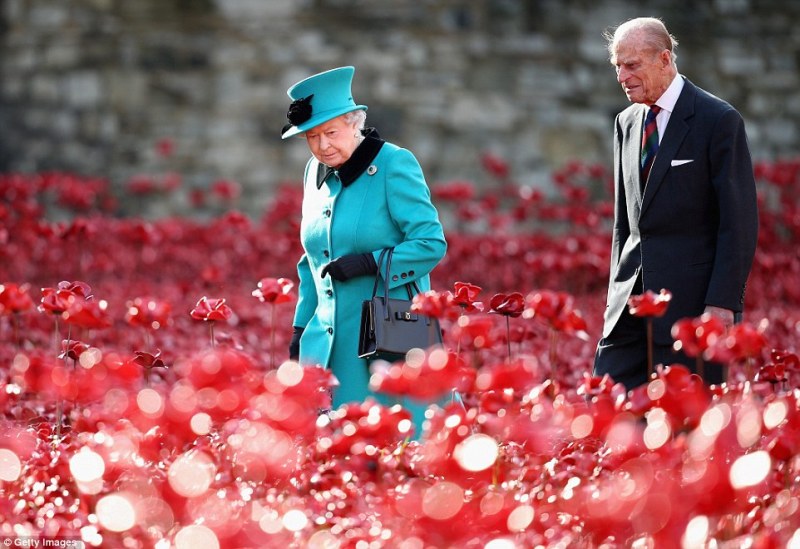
{"type": "Point", "coordinates": [333, 142]}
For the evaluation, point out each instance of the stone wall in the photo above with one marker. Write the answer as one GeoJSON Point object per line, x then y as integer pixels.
{"type": "Point", "coordinates": [92, 85]}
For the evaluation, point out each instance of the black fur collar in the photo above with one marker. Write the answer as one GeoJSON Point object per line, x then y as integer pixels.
{"type": "Point", "coordinates": [360, 160]}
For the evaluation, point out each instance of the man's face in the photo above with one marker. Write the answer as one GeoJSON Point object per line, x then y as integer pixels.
{"type": "Point", "coordinates": [644, 74]}
{"type": "Point", "coordinates": [332, 142]}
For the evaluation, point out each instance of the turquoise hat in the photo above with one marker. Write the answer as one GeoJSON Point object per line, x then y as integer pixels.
{"type": "Point", "coordinates": [320, 98]}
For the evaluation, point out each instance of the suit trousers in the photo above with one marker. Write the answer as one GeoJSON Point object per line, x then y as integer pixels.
{"type": "Point", "coordinates": [623, 354]}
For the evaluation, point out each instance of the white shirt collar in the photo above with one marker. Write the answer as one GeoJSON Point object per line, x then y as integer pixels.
{"type": "Point", "coordinates": [670, 96]}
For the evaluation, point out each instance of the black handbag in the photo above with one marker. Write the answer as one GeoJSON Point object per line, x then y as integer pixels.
{"type": "Point", "coordinates": [388, 328]}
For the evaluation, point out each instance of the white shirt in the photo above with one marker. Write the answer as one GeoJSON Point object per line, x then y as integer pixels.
{"type": "Point", "coordinates": [667, 103]}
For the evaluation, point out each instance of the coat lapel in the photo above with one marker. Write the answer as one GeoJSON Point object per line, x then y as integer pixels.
{"type": "Point", "coordinates": [677, 128]}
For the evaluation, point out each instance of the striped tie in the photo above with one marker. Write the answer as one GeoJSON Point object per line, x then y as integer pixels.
{"type": "Point", "coordinates": [649, 142]}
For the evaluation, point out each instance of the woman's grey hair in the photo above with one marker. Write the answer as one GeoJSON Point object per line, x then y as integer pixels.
{"type": "Point", "coordinates": [655, 34]}
{"type": "Point", "coordinates": [359, 117]}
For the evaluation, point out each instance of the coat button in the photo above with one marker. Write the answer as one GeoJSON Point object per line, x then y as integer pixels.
{"type": "Point", "coordinates": [329, 292]}
{"type": "Point", "coordinates": [394, 277]}
{"type": "Point", "coordinates": [404, 275]}
{"type": "Point", "coordinates": [411, 273]}
{"type": "Point", "coordinates": [327, 213]}
{"type": "Point", "coordinates": [326, 253]}
{"type": "Point", "coordinates": [330, 330]}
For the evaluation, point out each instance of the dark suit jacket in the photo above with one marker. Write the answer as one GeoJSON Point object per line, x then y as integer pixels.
{"type": "Point", "coordinates": [694, 229]}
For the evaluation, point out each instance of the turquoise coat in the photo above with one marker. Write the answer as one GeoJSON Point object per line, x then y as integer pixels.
{"type": "Point", "coordinates": [377, 199]}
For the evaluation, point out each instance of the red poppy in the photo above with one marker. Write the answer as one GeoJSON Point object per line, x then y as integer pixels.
{"type": "Point", "coordinates": [457, 191]}
{"type": "Point", "coordinates": [171, 181]}
{"type": "Point", "coordinates": [211, 309]}
{"type": "Point", "coordinates": [495, 165]}
{"type": "Point", "coordinates": [476, 331]}
{"type": "Point", "coordinates": [56, 301]}
{"type": "Point", "coordinates": [694, 336]}
{"type": "Point", "coordinates": [14, 298]}
{"type": "Point", "coordinates": [465, 296]}
{"type": "Point", "coordinates": [87, 314]}
{"type": "Point", "coordinates": [435, 304]}
{"type": "Point", "coordinates": [226, 189]}
{"type": "Point", "coordinates": [79, 288]}
{"type": "Point", "coordinates": [555, 310]}
{"type": "Point", "coordinates": [742, 341]}
{"type": "Point", "coordinates": [148, 312]}
{"type": "Point", "coordinates": [788, 362]}
{"type": "Point", "coordinates": [650, 304]}
{"type": "Point", "coordinates": [512, 304]}
{"type": "Point", "coordinates": [165, 147]}
{"type": "Point", "coordinates": [430, 374]}
{"type": "Point", "coordinates": [519, 375]}
{"type": "Point", "coordinates": [772, 373]}
{"type": "Point", "coordinates": [141, 184]}
{"type": "Point", "coordinates": [72, 349]}
{"type": "Point", "coordinates": [148, 361]}
{"type": "Point", "coordinates": [274, 290]}
{"type": "Point", "coordinates": [593, 386]}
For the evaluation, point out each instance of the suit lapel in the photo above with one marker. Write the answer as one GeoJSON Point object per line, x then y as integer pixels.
{"type": "Point", "coordinates": [677, 128]}
{"type": "Point", "coordinates": [632, 160]}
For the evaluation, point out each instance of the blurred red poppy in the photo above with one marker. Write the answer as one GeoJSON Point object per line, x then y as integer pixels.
{"type": "Point", "coordinates": [87, 314]}
{"type": "Point", "coordinates": [742, 341]}
{"type": "Point", "coordinates": [465, 295]}
{"type": "Point", "coordinates": [211, 309]}
{"type": "Point", "coordinates": [435, 304]}
{"type": "Point", "coordinates": [593, 386]}
{"type": "Point", "coordinates": [148, 312]}
{"type": "Point", "coordinates": [274, 290]}
{"type": "Point", "coordinates": [56, 301]}
{"type": "Point", "coordinates": [226, 189]}
{"type": "Point", "coordinates": [495, 165]}
{"type": "Point", "coordinates": [423, 375]}
{"type": "Point", "coordinates": [15, 298]}
{"type": "Point", "coordinates": [456, 191]}
{"type": "Point", "coordinates": [507, 304]}
{"type": "Point", "coordinates": [148, 361]}
{"type": "Point", "coordinates": [165, 147]}
{"type": "Point", "coordinates": [78, 287]}
{"type": "Point", "coordinates": [555, 310]}
{"type": "Point", "coordinates": [72, 349]}
{"type": "Point", "coordinates": [694, 336]}
{"type": "Point", "coordinates": [650, 304]}
{"type": "Point", "coordinates": [356, 426]}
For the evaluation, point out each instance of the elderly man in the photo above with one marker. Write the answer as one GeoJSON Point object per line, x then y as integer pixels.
{"type": "Point", "coordinates": [685, 217]}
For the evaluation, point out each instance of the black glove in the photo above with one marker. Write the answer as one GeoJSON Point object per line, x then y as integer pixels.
{"type": "Point", "coordinates": [350, 266]}
{"type": "Point", "coordinates": [294, 345]}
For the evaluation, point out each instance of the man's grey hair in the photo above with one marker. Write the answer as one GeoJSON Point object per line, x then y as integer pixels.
{"type": "Point", "coordinates": [653, 30]}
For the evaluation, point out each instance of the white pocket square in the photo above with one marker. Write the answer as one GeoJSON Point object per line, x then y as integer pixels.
{"type": "Point", "coordinates": [680, 162]}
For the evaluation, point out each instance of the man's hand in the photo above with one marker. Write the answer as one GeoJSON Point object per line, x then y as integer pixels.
{"type": "Point", "coordinates": [725, 315]}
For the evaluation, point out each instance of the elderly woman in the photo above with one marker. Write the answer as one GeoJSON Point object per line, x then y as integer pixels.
{"type": "Point", "coordinates": [361, 195]}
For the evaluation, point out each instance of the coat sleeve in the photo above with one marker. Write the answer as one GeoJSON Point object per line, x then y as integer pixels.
{"type": "Point", "coordinates": [423, 244]}
{"type": "Point", "coordinates": [734, 184]}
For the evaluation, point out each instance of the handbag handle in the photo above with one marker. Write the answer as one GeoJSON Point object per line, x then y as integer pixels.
{"type": "Point", "coordinates": [387, 252]}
